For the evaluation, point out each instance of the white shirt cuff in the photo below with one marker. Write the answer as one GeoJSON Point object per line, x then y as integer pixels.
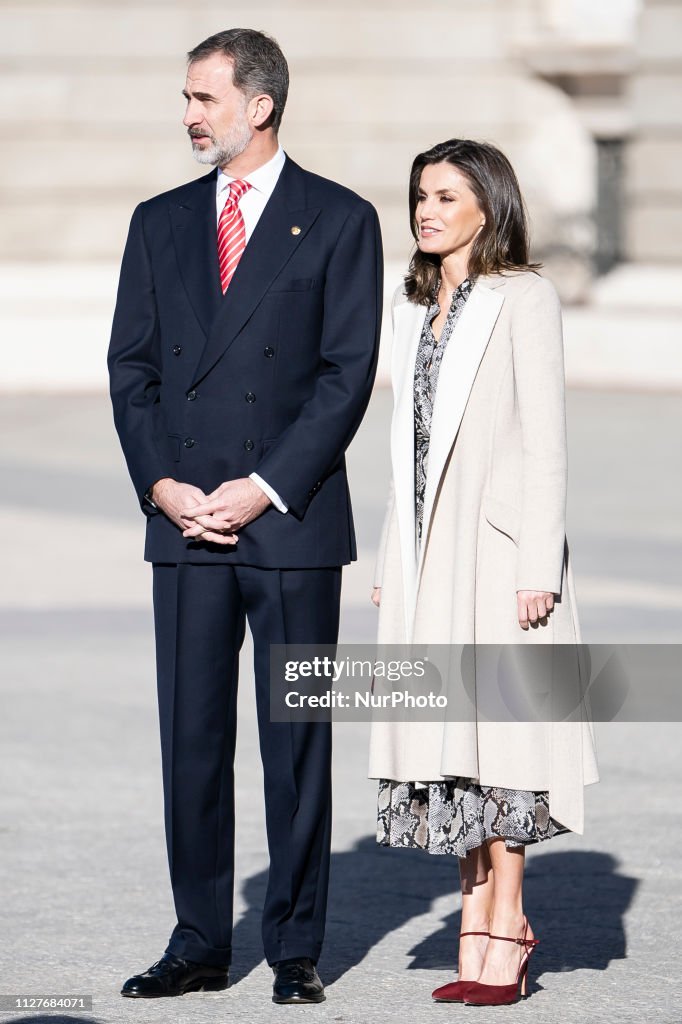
{"type": "Point", "coordinates": [272, 495]}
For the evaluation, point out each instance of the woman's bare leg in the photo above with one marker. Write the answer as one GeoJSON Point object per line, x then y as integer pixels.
{"type": "Point", "coordinates": [502, 959]}
{"type": "Point", "coordinates": [477, 906]}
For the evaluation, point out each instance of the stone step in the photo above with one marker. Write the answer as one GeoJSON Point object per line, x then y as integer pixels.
{"type": "Point", "coordinates": [149, 31]}
{"type": "Point", "coordinates": [116, 168]}
{"type": "Point", "coordinates": [656, 99]}
{"type": "Point", "coordinates": [659, 35]}
{"type": "Point", "coordinates": [654, 229]}
{"type": "Point", "coordinates": [142, 101]}
{"type": "Point", "coordinates": [640, 286]}
{"type": "Point", "coordinates": [665, 154]}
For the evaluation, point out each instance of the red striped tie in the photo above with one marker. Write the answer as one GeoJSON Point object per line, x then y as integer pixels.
{"type": "Point", "coordinates": [231, 233]}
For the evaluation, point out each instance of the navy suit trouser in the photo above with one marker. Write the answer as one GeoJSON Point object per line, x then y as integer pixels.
{"type": "Point", "coordinates": [200, 613]}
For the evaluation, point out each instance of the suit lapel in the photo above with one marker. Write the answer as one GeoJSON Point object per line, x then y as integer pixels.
{"type": "Point", "coordinates": [270, 247]}
{"type": "Point", "coordinates": [194, 225]}
{"type": "Point", "coordinates": [458, 370]}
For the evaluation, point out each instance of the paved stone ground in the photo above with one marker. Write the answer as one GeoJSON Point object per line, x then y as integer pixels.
{"type": "Point", "coordinates": [85, 895]}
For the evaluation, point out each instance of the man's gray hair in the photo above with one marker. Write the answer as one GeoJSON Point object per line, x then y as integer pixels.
{"type": "Point", "coordinates": [258, 65]}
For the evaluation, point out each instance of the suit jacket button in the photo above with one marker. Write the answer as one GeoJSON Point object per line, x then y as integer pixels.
{"type": "Point", "coordinates": [191, 395]}
{"type": "Point", "coordinates": [177, 349]}
{"type": "Point", "coordinates": [189, 442]}
{"type": "Point", "coordinates": [249, 445]}
{"type": "Point", "coordinates": [250, 397]}
{"type": "Point", "coordinates": [268, 352]}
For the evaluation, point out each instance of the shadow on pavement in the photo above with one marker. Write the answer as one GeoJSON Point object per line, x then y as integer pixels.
{"type": "Point", "coordinates": [51, 1018]}
{"type": "Point", "coordinates": [576, 902]}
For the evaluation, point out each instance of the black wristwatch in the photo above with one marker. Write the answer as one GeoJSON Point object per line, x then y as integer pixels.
{"type": "Point", "coordinates": [148, 497]}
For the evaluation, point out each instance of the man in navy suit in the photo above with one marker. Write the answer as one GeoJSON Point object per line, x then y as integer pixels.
{"type": "Point", "coordinates": [242, 358]}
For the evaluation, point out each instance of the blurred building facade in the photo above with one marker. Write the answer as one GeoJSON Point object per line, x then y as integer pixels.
{"type": "Point", "coordinates": [584, 98]}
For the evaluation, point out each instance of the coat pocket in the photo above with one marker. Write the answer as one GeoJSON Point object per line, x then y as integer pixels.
{"type": "Point", "coordinates": [503, 517]}
{"type": "Point", "coordinates": [294, 284]}
{"type": "Point", "coordinates": [173, 442]}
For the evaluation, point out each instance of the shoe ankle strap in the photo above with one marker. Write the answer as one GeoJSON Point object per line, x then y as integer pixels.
{"type": "Point", "coordinates": [523, 941]}
{"type": "Point", "coordinates": [528, 943]}
{"type": "Point", "coordinates": [462, 934]}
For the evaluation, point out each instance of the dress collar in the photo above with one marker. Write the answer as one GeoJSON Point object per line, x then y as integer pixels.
{"type": "Point", "coordinates": [461, 291]}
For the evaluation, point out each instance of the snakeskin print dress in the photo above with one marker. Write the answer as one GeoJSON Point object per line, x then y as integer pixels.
{"type": "Point", "coordinates": [456, 815]}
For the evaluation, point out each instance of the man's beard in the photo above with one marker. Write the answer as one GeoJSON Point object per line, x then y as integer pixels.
{"type": "Point", "coordinates": [223, 151]}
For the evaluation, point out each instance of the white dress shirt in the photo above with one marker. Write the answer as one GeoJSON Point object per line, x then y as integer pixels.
{"type": "Point", "coordinates": [262, 182]}
{"type": "Point", "coordinates": [252, 204]}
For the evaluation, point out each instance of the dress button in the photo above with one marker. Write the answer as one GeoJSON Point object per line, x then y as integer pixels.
{"type": "Point", "coordinates": [177, 349]}
{"type": "Point", "coordinates": [268, 352]}
{"type": "Point", "coordinates": [250, 397]}
{"type": "Point", "coordinates": [191, 395]}
{"type": "Point", "coordinates": [249, 445]}
{"type": "Point", "coordinates": [189, 442]}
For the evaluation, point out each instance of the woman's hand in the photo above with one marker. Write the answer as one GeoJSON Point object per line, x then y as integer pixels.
{"type": "Point", "coordinates": [376, 596]}
{"type": "Point", "coordinates": [533, 607]}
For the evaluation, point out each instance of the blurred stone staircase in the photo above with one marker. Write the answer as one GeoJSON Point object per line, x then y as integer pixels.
{"type": "Point", "coordinates": [92, 125]}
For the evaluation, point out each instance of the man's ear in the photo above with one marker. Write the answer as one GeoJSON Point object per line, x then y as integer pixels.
{"type": "Point", "coordinates": [260, 110]}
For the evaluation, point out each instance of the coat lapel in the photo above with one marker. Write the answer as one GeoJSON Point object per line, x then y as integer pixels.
{"type": "Point", "coordinates": [408, 323]}
{"type": "Point", "coordinates": [458, 371]}
{"type": "Point", "coordinates": [271, 245]}
{"type": "Point", "coordinates": [193, 221]}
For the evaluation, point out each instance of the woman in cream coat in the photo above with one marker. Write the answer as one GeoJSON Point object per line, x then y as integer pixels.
{"type": "Point", "coordinates": [473, 552]}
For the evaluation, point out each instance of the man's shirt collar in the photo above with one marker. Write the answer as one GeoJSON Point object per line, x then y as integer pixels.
{"type": "Point", "coordinates": [263, 179]}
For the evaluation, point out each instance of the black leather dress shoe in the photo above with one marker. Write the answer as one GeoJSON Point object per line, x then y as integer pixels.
{"type": "Point", "coordinates": [171, 976]}
{"type": "Point", "coordinates": [297, 981]}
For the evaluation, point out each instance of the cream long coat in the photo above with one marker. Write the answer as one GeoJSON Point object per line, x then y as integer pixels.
{"type": "Point", "coordinates": [494, 523]}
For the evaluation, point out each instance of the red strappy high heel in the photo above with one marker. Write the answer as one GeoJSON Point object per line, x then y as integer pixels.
{"type": "Point", "coordinates": [498, 995]}
{"type": "Point", "coordinates": [455, 991]}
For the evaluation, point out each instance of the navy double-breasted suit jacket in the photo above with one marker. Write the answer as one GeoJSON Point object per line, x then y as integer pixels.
{"type": "Point", "coordinates": [273, 377]}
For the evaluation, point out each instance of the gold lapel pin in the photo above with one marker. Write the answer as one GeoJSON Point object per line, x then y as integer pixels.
{"type": "Point", "coordinates": [295, 230]}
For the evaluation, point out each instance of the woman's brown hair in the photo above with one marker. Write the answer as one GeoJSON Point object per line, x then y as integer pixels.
{"type": "Point", "coordinates": [502, 244]}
